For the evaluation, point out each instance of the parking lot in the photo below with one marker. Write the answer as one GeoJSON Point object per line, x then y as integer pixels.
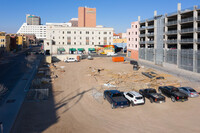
{"type": "Point", "coordinates": [77, 105]}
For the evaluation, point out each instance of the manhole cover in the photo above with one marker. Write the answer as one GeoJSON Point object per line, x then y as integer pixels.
{"type": "Point", "coordinates": [10, 101]}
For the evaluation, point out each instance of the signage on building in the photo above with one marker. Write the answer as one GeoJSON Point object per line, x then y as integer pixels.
{"type": "Point", "coordinates": [91, 12]}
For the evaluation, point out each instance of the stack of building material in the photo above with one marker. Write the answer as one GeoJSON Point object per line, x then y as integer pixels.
{"type": "Point", "coordinates": [118, 59]}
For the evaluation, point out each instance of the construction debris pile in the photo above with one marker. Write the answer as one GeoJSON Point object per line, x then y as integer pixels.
{"type": "Point", "coordinates": [134, 80]}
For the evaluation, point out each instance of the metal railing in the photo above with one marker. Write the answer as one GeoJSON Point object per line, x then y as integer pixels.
{"type": "Point", "coordinates": [198, 18]}
{"type": "Point", "coordinates": [150, 27]}
{"type": "Point", "coordinates": [171, 22]}
{"type": "Point", "coordinates": [198, 40]}
{"type": "Point", "coordinates": [172, 41]}
{"type": "Point", "coordinates": [198, 29]}
{"type": "Point", "coordinates": [150, 34]}
{"type": "Point", "coordinates": [187, 10]}
{"type": "Point", "coordinates": [187, 40]}
{"type": "Point", "coordinates": [142, 35]}
{"type": "Point", "coordinates": [187, 20]}
{"type": "Point", "coordinates": [142, 42]}
{"type": "Point", "coordinates": [186, 30]}
{"type": "Point", "coordinates": [171, 32]}
{"type": "Point", "coordinates": [150, 42]}
{"type": "Point", "coordinates": [142, 28]}
{"type": "Point", "coordinates": [172, 13]}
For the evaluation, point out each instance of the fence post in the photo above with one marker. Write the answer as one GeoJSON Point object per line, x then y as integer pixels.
{"type": "Point", "coordinates": [1, 127]}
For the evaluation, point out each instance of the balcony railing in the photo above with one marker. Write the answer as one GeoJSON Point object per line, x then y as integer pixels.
{"type": "Point", "coordinates": [172, 23]}
{"type": "Point", "coordinates": [172, 13]}
{"type": "Point", "coordinates": [187, 30]}
{"type": "Point", "coordinates": [150, 42]}
{"type": "Point", "coordinates": [142, 42]}
{"type": "Point", "coordinates": [142, 35]}
{"type": "Point", "coordinates": [150, 34]}
{"type": "Point", "coordinates": [187, 20]}
{"type": "Point", "coordinates": [198, 18]}
{"type": "Point", "coordinates": [172, 41]}
{"type": "Point", "coordinates": [150, 27]}
{"type": "Point", "coordinates": [171, 32]}
{"type": "Point", "coordinates": [198, 29]}
{"type": "Point", "coordinates": [142, 28]}
{"type": "Point", "coordinates": [198, 40]}
{"type": "Point", "coordinates": [187, 40]}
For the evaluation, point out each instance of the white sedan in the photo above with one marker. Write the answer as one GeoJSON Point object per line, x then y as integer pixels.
{"type": "Point", "coordinates": [134, 97]}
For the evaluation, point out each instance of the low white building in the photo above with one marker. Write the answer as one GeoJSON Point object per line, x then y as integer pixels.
{"type": "Point", "coordinates": [38, 30]}
{"type": "Point", "coordinates": [63, 38]}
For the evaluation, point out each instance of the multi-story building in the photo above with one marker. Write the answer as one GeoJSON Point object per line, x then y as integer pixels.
{"type": "Point", "coordinates": [33, 20]}
{"type": "Point", "coordinates": [4, 42]}
{"type": "Point", "coordinates": [74, 22]}
{"type": "Point", "coordinates": [33, 26]}
{"type": "Point", "coordinates": [178, 33]}
{"type": "Point", "coordinates": [86, 17]}
{"type": "Point", "coordinates": [61, 37]}
{"type": "Point", "coordinates": [38, 30]}
{"type": "Point", "coordinates": [132, 35]}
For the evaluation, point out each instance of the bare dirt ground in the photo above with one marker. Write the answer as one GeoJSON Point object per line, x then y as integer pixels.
{"type": "Point", "coordinates": [77, 106]}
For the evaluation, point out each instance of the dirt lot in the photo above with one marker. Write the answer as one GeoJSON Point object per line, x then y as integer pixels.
{"type": "Point", "coordinates": [77, 106]}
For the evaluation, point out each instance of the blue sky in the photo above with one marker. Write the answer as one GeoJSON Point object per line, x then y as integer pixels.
{"type": "Point", "coordinates": [110, 13]}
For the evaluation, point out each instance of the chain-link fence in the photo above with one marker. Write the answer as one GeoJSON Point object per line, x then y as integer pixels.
{"type": "Point", "coordinates": [171, 56]}
{"type": "Point", "coordinates": [186, 59]}
{"type": "Point", "coordinates": [150, 54]}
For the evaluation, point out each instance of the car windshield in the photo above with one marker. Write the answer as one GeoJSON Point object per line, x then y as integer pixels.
{"type": "Point", "coordinates": [174, 90]}
{"type": "Point", "coordinates": [117, 95]}
{"type": "Point", "coordinates": [192, 90]}
{"type": "Point", "coordinates": [152, 91]}
{"type": "Point", "coordinates": [138, 98]}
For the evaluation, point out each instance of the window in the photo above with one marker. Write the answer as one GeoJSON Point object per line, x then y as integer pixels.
{"type": "Point", "coordinates": [136, 33]}
{"type": "Point", "coordinates": [110, 38]}
{"type": "Point", "coordinates": [92, 43]}
{"type": "Point", "coordinates": [63, 37]}
{"type": "Point", "coordinates": [92, 32]}
{"type": "Point", "coordinates": [136, 46]}
{"type": "Point", "coordinates": [99, 38]}
{"type": "Point", "coordinates": [99, 32]}
{"type": "Point", "coordinates": [68, 40]}
{"type": "Point", "coordinates": [129, 39]}
{"type": "Point", "coordinates": [48, 43]}
{"type": "Point", "coordinates": [109, 32]}
{"type": "Point", "coordinates": [80, 38]}
{"type": "Point", "coordinates": [80, 43]}
{"type": "Point", "coordinates": [136, 39]}
{"type": "Point", "coordinates": [80, 32]}
{"type": "Point", "coordinates": [99, 43]}
{"type": "Point", "coordinates": [130, 95]}
{"type": "Point", "coordinates": [135, 26]}
{"type": "Point", "coordinates": [68, 43]}
{"type": "Point", "coordinates": [105, 33]}
{"type": "Point", "coordinates": [63, 43]}
{"type": "Point", "coordinates": [63, 32]}
{"type": "Point", "coordinates": [53, 37]}
{"type": "Point", "coordinates": [129, 33]}
{"type": "Point", "coordinates": [74, 32]}
{"type": "Point", "coordinates": [53, 31]}
{"type": "Point", "coordinates": [87, 32]}
{"type": "Point", "coordinates": [74, 38]}
{"type": "Point", "coordinates": [92, 38]}
{"type": "Point", "coordinates": [74, 43]}
{"type": "Point", "coordinates": [68, 32]}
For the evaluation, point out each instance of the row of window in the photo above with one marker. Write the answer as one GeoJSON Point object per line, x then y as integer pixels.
{"type": "Point", "coordinates": [132, 45]}
{"type": "Point", "coordinates": [2, 40]}
{"type": "Point", "coordinates": [87, 38]}
{"type": "Point", "coordinates": [86, 32]}
{"type": "Point", "coordinates": [129, 33]}
{"type": "Point", "coordinates": [129, 39]}
{"type": "Point", "coordinates": [87, 43]}
{"type": "Point", "coordinates": [133, 26]}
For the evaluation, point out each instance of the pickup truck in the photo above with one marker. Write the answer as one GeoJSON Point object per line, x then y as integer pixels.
{"type": "Point", "coordinates": [116, 98]}
{"type": "Point", "coordinates": [152, 95]}
{"type": "Point", "coordinates": [173, 93]}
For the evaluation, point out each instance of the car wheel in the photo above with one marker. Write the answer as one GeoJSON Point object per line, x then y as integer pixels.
{"type": "Point", "coordinates": [173, 99]}
{"type": "Point", "coordinates": [151, 100]}
{"type": "Point", "coordinates": [132, 103]}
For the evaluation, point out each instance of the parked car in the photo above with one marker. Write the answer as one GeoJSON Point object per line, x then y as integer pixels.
{"type": "Point", "coordinates": [152, 95]}
{"type": "Point", "coordinates": [173, 93]}
{"type": "Point", "coordinates": [111, 54]}
{"type": "Point", "coordinates": [90, 57]}
{"type": "Point", "coordinates": [190, 92]}
{"type": "Point", "coordinates": [71, 60]}
{"type": "Point", "coordinates": [134, 97]}
{"type": "Point", "coordinates": [116, 98]}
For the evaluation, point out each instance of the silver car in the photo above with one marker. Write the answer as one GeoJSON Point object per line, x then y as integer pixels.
{"type": "Point", "coordinates": [189, 91]}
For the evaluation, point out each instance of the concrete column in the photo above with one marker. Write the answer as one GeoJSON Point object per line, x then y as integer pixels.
{"type": "Point", "coordinates": [195, 37]}
{"type": "Point", "coordinates": [178, 35]}
{"type": "Point", "coordinates": [146, 25]}
{"type": "Point", "coordinates": [166, 37]}
{"type": "Point", "coordinates": [155, 35]}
